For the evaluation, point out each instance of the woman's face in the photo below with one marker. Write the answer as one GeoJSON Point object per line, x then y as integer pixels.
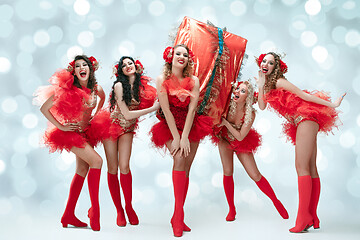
{"type": "Point", "coordinates": [82, 71]}
{"type": "Point", "coordinates": [240, 93]}
{"type": "Point", "coordinates": [181, 57]}
{"type": "Point", "coordinates": [128, 67]}
{"type": "Point", "coordinates": [268, 64]}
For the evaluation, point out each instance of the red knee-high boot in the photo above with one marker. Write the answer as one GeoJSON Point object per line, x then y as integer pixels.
{"type": "Point", "coordinates": [179, 180]}
{"type": "Point", "coordinates": [69, 213]}
{"type": "Point", "coordinates": [265, 187]}
{"type": "Point", "coordinates": [114, 188]}
{"type": "Point", "coordinates": [94, 211]}
{"type": "Point", "coordinates": [315, 195]}
{"type": "Point", "coordinates": [126, 185]}
{"type": "Point", "coordinates": [228, 182]}
{"type": "Point", "coordinates": [304, 218]}
{"type": "Point", "coordinates": [186, 228]}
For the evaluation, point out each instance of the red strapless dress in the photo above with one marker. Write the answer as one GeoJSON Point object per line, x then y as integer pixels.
{"type": "Point", "coordinates": [296, 110]}
{"type": "Point", "coordinates": [179, 94]}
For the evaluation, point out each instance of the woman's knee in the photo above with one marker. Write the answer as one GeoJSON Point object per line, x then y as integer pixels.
{"type": "Point", "coordinates": [97, 162]}
{"type": "Point", "coordinates": [124, 167]}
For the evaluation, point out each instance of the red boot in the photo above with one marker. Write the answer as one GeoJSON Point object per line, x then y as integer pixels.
{"type": "Point", "coordinates": [126, 185]}
{"type": "Point", "coordinates": [186, 228]}
{"type": "Point", "coordinates": [179, 180]}
{"type": "Point", "coordinates": [114, 188]}
{"type": "Point", "coordinates": [265, 187]}
{"type": "Point", "coordinates": [304, 219]}
{"type": "Point", "coordinates": [94, 211]}
{"type": "Point", "coordinates": [315, 195]}
{"type": "Point", "coordinates": [228, 182]}
{"type": "Point", "coordinates": [69, 213]}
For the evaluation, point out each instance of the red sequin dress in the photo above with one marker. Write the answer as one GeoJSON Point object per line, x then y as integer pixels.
{"type": "Point", "coordinates": [179, 94]}
{"type": "Point", "coordinates": [111, 125]}
{"type": "Point", "coordinates": [71, 105]}
{"type": "Point", "coordinates": [296, 110]}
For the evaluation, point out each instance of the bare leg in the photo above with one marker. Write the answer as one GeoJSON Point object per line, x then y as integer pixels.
{"type": "Point", "coordinates": [227, 160]}
{"type": "Point", "coordinates": [89, 155]}
{"type": "Point", "coordinates": [111, 152]}
{"type": "Point", "coordinates": [304, 151]}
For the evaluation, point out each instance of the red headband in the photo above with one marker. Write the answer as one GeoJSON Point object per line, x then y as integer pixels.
{"type": "Point", "coordinates": [94, 62]}
{"type": "Point", "coordinates": [169, 54]}
{"type": "Point", "coordinates": [283, 65]}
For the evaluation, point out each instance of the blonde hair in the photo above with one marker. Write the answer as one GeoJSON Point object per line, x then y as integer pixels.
{"type": "Point", "coordinates": [250, 100]}
{"type": "Point", "coordinates": [188, 70]}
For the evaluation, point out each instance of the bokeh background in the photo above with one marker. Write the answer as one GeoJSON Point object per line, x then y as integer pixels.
{"type": "Point", "coordinates": [321, 40]}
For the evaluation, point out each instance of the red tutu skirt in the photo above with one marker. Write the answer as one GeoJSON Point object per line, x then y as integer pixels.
{"type": "Point", "coordinates": [249, 144]}
{"type": "Point", "coordinates": [160, 132]}
{"type": "Point", "coordinates": [103, 127]}
{"type": "Point", "coordinates": [58, 140]}
{"type": "Point", "coordinates": [296, 110]}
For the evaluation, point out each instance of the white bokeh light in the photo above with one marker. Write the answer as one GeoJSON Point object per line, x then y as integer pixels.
{"type": "Point", "coordinates": [358, 120]}
{"type": "Point", "coordinates": [319, 54]}
{"type": "Point", "coordinates": [5, 65]}
{"type": "Point", "coordinates": [308, 38]}
{"type": "Point", "coordinates": [312, 7]}
{"type": "Point", "coordinates": [347, 139]}
{"type": "Point", "coordinates": [238, 8]}
{"type": "Point", "coordinates": [81, 7]}
{"type": "Point", "coordinates": [352, 38]}
{"type": "Point", "coordinates": [85, 38]}
{"type": "Point", "coordinates": [2, 166]}
{"type": "Point", "coordinates": [126, 48]}
{"type": "Point", "coordinates": [41, 38]}
{"type": "Point", "coordinates": [156, 8]}
{"type": "Point", "coordinates": [73, 51]}
{"type": "Point", "coordinates": [30, 120]}
{"type": "Point", "coordinates": [217, 179]}
{"type": "Point", "coordinates": [9, 105]}
{"type": "Point", "coordinates": [263, 125]}
{"type": "Point", "coordinates": [163, 180]}
{"type": "Point", "coordinates": [68, 157]}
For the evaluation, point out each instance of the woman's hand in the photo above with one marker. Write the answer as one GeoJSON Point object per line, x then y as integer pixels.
{"type": "Point", "coordinates": [156, 105]}
{"type": "Point", "coordinates": [175, 145]}
{"type": "Point", "coordinates": [261, 80]}
{"type": "Point", "coordinates": [223, 122]}
{"type": "Point", "coordinates": [70, 127]}
{"type": "Point", "coordinates": [184, 147]}
{"type": "Point", "coordinates": [338, 101]}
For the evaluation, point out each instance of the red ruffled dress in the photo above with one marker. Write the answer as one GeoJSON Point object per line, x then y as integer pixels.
{"type": "Point", "coordinates": [71, 105]}
{"type": "Point", "coordinates": [296, 110]}
{"type": "Point", "coordinates": [179, 94]}
{"type": "Point", "coordinates": [111, 125]}
{"type": "Point", "coordinates": [249, 144]}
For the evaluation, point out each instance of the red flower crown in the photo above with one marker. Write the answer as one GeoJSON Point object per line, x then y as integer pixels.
{"type": "Point", "coordinates": [94, 62]}
{"type": "Point", "coordinates": [283, 66]}
{"type": "Point", "coordinates": [168, 55]}
{"type": "Point", "coordinates": [139, 68]}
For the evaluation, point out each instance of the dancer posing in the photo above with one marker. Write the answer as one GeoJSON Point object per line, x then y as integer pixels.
{"type": "Point", "coordinates": [68, 104]}
{"type": "Point", "coordinates": [307, 114]}
{"type": "Point", "coordinates": [180, 129]}
{"type": "Point", "coordinates": [235, 135]}
{"type": "Point", "coordinates": [130, 98]}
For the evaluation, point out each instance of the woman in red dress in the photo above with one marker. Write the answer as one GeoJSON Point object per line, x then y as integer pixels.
{"type": "Point", "coordinates": [307, 113]}
{"type": "Point", "coordinates": [70, 101]}
{"type": "Point", "coordinates": [236, 135]}
{"type": "Point", "coordinates": [130, 98]}
{"type": "Point", "coordinates": [180, 129]}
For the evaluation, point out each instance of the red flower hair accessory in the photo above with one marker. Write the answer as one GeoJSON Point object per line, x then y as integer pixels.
{"type": "Point", "coordinates": [191, 55]}
{"type": "Point", "coordinates": [168, 54]}
{"type": "Point", "coordinates": [283, 66]}
{"type": "Point", "coordinates": [115, 70]}
{"type": "Point", "coordinates": [94, 62]}
{"type": "Point", "coordinates": [255, 98]}
{"type": "Point", "coordinates": [139, 67]}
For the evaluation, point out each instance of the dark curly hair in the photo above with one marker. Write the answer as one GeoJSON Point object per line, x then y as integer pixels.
{"type": "Point", "coordinates": [92, 80]}
{"type": "Point", "coordinates": [276, 73]}
{"type": "Point", "coordinates": [127, 94]}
